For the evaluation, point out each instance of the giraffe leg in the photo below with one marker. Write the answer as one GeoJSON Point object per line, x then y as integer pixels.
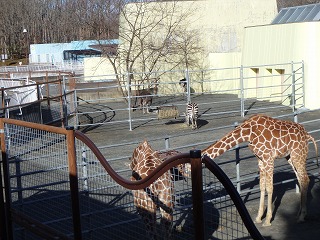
{"type": "Point", "coordinates": [299, 168]}
{"type": "Point", "coordinates": [147, 210]}
{"type": "Point", "coordinates": [166, 210]}
{"type": "Point", "coordinates": [269, 186]}
{"type": "Point", "coordinates": [262, 194]}
{"type": "Point", "coordinates": [149, 219]}
{"type": "Point", "coordinates": [166, 224]}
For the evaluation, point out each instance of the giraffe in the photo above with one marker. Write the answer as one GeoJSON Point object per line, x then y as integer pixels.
{"type": "Point", "coordinates": [157, 195]}
{"type": "Point", "coordinates": [269, 139]}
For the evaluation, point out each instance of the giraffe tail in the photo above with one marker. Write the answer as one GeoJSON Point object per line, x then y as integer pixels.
{"type": "Point", "coordinates": [316, 148]}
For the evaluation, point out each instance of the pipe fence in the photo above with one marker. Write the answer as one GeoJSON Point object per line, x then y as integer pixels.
{"type": "Point", "coordinates": [44, 188]}
{"type": "Point", "coordinates": [52, 192]}
{"type": "Point", "coordinates": [112, 100]}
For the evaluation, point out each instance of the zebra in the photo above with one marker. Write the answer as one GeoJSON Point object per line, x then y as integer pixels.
{"type": "Point", "coordinates": [192, 114]}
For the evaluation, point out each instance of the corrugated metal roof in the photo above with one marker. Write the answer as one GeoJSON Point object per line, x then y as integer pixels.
{"type": "Point", "coordinates": [305, 13]}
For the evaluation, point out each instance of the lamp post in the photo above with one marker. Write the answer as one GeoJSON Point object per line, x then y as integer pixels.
{"type": "Point", "coordinates": [25, 32]}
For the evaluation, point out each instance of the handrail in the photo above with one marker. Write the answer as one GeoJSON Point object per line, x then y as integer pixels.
{"type": "Point", "coordinates": [170, 163]}
{"type": "Point", "coordinates": [139, 184]}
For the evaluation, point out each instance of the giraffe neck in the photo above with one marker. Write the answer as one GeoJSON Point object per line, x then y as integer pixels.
{"type": "Point", "coordinates": [235, 137]}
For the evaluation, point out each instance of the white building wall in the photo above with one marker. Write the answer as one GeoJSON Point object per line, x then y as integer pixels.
{"type": "Point", "coordinates": [98, 69]}
{"type": "Point", "coordinates": [283, 43]}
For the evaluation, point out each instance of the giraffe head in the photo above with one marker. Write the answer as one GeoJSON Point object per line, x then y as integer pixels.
{"type": "Point", "coordinates": [144, 160]}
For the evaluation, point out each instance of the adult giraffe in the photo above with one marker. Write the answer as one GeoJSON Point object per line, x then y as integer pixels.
{"type": "Point", "coordinates": [269, 139]}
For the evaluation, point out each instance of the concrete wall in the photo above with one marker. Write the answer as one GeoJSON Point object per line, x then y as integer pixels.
{"type": "Point", "coordinates": [282, 43]}
{"type": "Point", "coordinates": [229, 68]}
{"type": "Point", "coordinates": [219, 25]}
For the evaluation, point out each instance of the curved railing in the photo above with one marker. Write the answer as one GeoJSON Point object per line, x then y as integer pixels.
{"type": "Point", "coordinates": [234, 195]}
{"type": "Point", "coordinates": [139, 184]}
{"type": "Point", "coordinates": [194, 158]}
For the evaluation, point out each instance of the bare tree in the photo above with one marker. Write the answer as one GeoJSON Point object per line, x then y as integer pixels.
{"type": "Point", "coordinates": [54, 21]}
{"type": "Point", "coordinates": [153, 35]}
{"type": "Point", "coordinates": [48, 21]}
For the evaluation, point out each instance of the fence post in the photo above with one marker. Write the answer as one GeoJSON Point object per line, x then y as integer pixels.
{"type": "Point", "coordinates": [85, 169]}
{"type": "Point", "coordinates": [76, 104]}
{"type": "Point", "coordinates": [64, 102]}
{"type": "Point", "coordinates": [188, 85]}
{"type": "Point", "coordinates": [167, 143]}
{"type": "Point", "coordinates": [293, 93]}
{"type": "Point", "coordinates": [197, 193]}
{"type": "Point", "coordinates": [293, 103]}
{"type": "Point", "coordinates": [238, 164]}
{"type": "Point", "coordinates": [74, 187]}
{"type": "Point", "coordinates": [129, 100]}
{"type": "Point", "coordinates": [3, 229]}
{"type": "Point", "coordinates": [303, 84]}
{"type": "Point", "coordinates": [241, 92]}
{"type": "Point", "coordinates": [6, 229]}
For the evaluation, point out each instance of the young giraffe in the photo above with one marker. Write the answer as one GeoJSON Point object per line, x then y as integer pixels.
{"type": "Point", "coordinates": [269, 139]}
{"type": "Point", "coordinates": [159, 194]}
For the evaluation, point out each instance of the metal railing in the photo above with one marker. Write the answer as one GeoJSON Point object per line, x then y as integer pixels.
{"type": "Point", "coordinates": [46, 197]}
{"type": "Point", "coordinates": [221, 91]}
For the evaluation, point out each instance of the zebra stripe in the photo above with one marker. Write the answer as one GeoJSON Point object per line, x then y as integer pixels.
{"type": "Point", "coordinates": [192, 114]}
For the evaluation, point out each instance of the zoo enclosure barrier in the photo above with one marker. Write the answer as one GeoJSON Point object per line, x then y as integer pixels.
{"type": "Point", "coordinates": [247, 88]}
{"type": "Point", "coordinates": [239, 162]}
{"type": "Point", "coordinates": [39, 97]}
{"type": "Point", "coordinates": [74, 67]}
{"type": "Point", "coordinates": [52, 192]}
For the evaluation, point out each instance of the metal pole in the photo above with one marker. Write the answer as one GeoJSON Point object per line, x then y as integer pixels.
{"type": "Point", "coordinates": [293, 93]}
{"type": "Point", "coordinates": [64, 103]}
{"type": "Point", "coordinates": [85, 169]}
{"type": "Point", "coordinates": [238, 164]}
{"type": "Point", "coordinates": [167, 143]}
{"type": "Point", "coordinates": [76, 109]}
{"type": "Point", "coordinates": [241, 92]}
{"type": "Point", "coordinates": [188, 85]}
{"type": "Point", "coordinates": [197, 193]}
{"type": "Point", "coordinates": [129, 100]}
{"type": "Point", "coordinates": [303, 83]}
{"type": "Point", "coordinates": [293, 103]}
{"type": "Point", "coordinates": [73, 177]}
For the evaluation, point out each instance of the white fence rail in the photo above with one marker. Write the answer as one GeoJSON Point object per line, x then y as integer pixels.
{"type": "Point", "coordinates": [234, 91]}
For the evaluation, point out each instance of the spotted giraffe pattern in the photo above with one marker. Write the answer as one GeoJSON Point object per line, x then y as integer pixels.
{"type": "Point", "coordinates": [269, 139]}
{"type": "Point", "coordinates": [159, 194]}
{"type": "Point", "coordinates": [180, 171]}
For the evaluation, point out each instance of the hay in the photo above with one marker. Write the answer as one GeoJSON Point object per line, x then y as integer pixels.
{"type": "Point", "coordinates": [168, 112]}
